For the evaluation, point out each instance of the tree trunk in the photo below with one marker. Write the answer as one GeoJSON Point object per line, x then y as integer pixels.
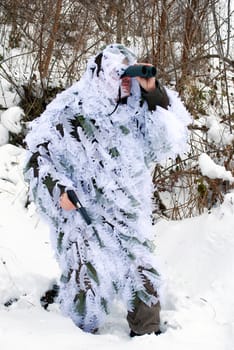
{"type": "Point", "coordinates": [49, 50]}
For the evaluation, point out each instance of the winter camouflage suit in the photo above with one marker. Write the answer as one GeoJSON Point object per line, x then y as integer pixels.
{"type": "Point", "coordinates": [103, 151]}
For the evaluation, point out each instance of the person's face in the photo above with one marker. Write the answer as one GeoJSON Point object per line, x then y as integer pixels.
{"type": "Point", "coordinates": [125, 86]}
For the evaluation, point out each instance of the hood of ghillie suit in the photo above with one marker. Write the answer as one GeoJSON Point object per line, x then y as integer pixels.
{"type": "Point", "coordinates": [106, 68]}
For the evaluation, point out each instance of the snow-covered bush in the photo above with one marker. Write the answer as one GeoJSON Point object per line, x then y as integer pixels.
{"type": "Point", "coordinates": [4, 135]}
{"type": "Point", "coordinates": [12, 118]}
{"type": "Point", "coordinates": [11, 172]}
{"type": "Point", "coordinates": [199, 180]}
{"type": "Point", "coordinates": [12, 126]}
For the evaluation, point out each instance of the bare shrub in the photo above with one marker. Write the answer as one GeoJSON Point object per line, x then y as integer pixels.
{"type": "Point", "coordinates": [45, 45]}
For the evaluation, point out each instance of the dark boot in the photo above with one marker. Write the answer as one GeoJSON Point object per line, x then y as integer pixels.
{"type": "Point", "coordinates": [133, 334]}
{"type": "Point", "coordinates": [49, 296]}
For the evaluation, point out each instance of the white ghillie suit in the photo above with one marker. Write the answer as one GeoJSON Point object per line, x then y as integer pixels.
{"type": "Point", "coordinates": [79, 143]}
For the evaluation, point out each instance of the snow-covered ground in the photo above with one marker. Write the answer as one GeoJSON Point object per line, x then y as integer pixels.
{"type": "Point", "coordinates": [196, 259]}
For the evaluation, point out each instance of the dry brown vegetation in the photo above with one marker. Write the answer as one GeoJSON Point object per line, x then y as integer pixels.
{"type": "Point", "coordinates": [189, 41]}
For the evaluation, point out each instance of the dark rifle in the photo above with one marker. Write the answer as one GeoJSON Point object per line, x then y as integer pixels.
{"type": "Point", "coordinates": [79, 207]}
